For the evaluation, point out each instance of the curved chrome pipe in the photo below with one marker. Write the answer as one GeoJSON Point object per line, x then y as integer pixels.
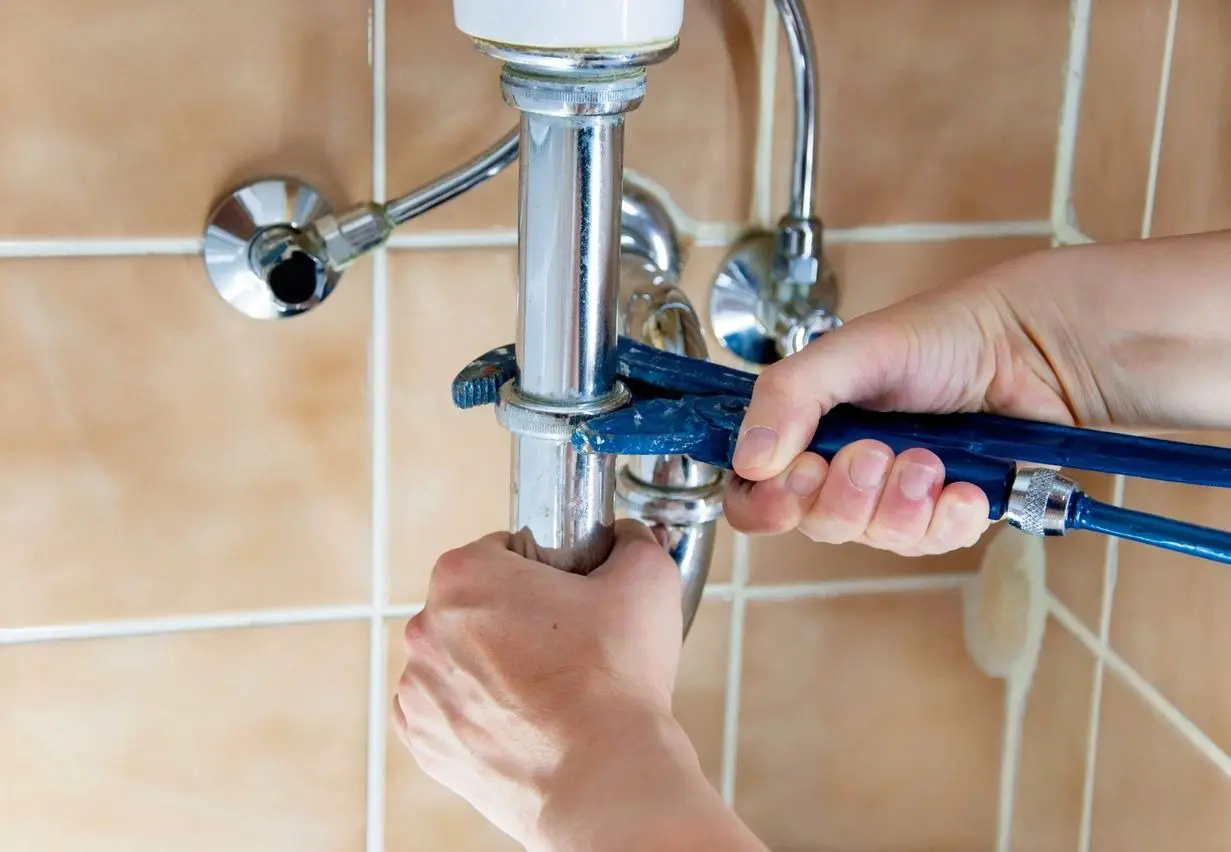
{"type": "Point", "coordinates": [334, 241]}
{"type": "Point", "coordinates": [678, 498]}
{"type": "Point", "coordinates": [807, 110]}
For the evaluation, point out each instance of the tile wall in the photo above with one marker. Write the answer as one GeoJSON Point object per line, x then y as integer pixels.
{"type": "Point", "coordinates": [214, 528]}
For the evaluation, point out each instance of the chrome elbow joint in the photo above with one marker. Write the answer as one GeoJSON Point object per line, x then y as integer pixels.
{"type": "Point", "coordinates": [678, 498]}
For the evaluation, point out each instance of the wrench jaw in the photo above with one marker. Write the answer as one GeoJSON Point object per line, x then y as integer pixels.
{"type": "Point", "coordinates": [658, 427]}
{"type": "Point", "coordinates": [479, 383]}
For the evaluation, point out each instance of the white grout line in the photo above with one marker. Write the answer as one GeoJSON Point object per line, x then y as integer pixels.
{"type": "Point", "coordinates": [136, 627]}
{"type": "Point", "coordinates": [1010, 758]}
{"type": "Point", "coordinates": [1067, 235]}
{"type": "Point", "coordinates": [1133, 679]}
{"type": "Point", "coordinates": [717, 234]}
{"type": "Point", "coordinates": [1111, 565]}
{"type": "Point", "coordinates": [735, 667]}
{"type": "Point", "coordinates": [1070, 113]}
{"type": "Point", "coordinates": [123, 628]}
{"type": "Point", "coordinates": [1160, 121]}
{"type": "Point", "coordinates": [445, 240]}
{"type": "Point", "coordinates": [926, 232]}
{"type": "Point", "coordinates": [378, 389]}
{"type": "Point", "coordinates": [139, 247]}
{"type": "Point", "coordinates": [762, 202]}
{"type": "Point", "coordinates": [852, 588]}
{"type": "Point", "coordinates": [402, 611]}
{"type": "Point", "coordinates": [703, 234]}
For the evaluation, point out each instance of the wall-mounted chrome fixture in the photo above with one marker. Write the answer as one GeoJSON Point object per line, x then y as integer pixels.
{"type": "Point", "coordinates": [597, 258]}
{"type": "Point", "coordinates": [274, 248]}
{"type": "Point", "coordinates": [776, 292]}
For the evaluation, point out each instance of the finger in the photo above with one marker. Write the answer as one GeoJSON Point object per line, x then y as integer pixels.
{"type": "Point", "coordinates": [779, 504]}
{"type": "Point", "coordinates": [848, 499]}
{"type": "Point", "coordinates": [637, 557]}
{"type": "Point", "coordinates": [959, 521]}
{"type": "Point", "coordinates": [906, 505]}
{"type": "Point", "coordinates": [631, 530]}
{"type": "Point", "coordinates": [789, 398]}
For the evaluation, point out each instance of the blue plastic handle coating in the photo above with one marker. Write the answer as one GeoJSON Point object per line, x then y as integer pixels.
{"type": "Point", "coordinates": [1087, 513]}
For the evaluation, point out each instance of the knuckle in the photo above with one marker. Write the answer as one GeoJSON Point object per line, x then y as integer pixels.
{"type": "Point", "coordinates": [921, 456]}
{"type": "Point", "coordinates": [414, 633]}
{"type": "Point", "coordinates": [830, 530]}
{"type": "Point", "coordinates": [780, 380]}
{"type": "Point", "coordinates": [452, 571]}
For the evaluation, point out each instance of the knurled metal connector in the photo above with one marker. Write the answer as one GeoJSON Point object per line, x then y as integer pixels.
{"type": "Point", "coordinates": [1039, 502]}
{"type": "Point", "coordinates": [521, 415]}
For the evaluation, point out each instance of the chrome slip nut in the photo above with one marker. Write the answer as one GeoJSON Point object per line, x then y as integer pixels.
{"type": "Point", "coordinates": [533, 418]}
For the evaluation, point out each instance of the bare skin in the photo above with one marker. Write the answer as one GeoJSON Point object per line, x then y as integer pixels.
{"type": "Point", "coordinates": [544, 698]}
{"type": "Point", "coordinates": [1129, 335]}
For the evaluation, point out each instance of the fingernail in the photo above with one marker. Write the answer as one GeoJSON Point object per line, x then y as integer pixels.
{"type": "Point", "coordinates": [917, 480]}
{"type": "Point", "coordinates": [755, 448]}
{"type": "Point", "coordinates": [806, 478]}
{"type": "Point", "coordinates": [868, 470]}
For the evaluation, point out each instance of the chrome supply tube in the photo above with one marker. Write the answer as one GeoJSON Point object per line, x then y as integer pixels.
{"type": "Point", "coordinates": [333, 241]}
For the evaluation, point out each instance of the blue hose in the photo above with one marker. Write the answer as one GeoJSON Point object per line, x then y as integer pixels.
{"type": "Point", "coordinates": [1086, 513]}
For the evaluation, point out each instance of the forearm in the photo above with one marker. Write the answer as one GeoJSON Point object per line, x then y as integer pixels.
{"type": "Point", "coordinates": [647, 794]}
{"type": "Point", "coordinates": [1137, 333]}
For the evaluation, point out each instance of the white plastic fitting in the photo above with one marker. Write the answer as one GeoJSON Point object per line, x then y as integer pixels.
{"type": "Point", "coordinates": [571, 24]}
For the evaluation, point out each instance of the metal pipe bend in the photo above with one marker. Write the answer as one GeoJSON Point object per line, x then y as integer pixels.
{"type": "Point", "coordinates": [678, 498]}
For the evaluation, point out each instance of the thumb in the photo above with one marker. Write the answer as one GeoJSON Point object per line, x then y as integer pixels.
{"type": "Point", "coordinates": [857, 362]}
{"type": "Point", "coordinates": [637, 557]}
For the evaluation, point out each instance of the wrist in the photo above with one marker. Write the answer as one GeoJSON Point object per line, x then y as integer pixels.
{"type": "Point", "coordinates": [632, 784]}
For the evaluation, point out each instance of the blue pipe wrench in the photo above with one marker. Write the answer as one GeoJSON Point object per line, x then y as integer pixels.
{"type": "Point", "coordinates": [691, 407]}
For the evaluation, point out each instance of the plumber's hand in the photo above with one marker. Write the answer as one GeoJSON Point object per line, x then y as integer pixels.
{"type": "Point", "coordinates": [544, 698]}
{"type": "Point", "coordinates": [959, 348]}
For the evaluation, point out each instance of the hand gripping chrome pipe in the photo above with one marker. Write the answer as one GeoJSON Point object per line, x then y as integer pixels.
{"type": "Point", "coordinates": [572, 164]}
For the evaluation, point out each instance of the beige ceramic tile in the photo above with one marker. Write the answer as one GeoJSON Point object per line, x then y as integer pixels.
{"type": "Point", "coordinates": [1052, 759]}
{"type": "Point", "coordinates": [1116, 128]}
{"type": "Point", "coordinates": [423, 815]}
{"type": "Point", "coordinates": [449, 469]}
{"type": "Point", "coordinates": [865, 726]}
{"type": "Point", "coordinates": [164, 454]}
{"type": "Point", "coordinates": [444, 108]}
{"type": "Point", "coordinates": [700, 689]}
{"type": "Point", "coordinates": [932, 110]}
{"type": "Point", "coordinates": [693, 133]}
{"type": "Point", "coordinates": [1152, 790]}
{"type": "Point", "coordinates": [1195, 168]}
{"type": "Point", "coordinates": [873, 276]}
{"type": "Point", "coordinates": [217, 93]}
{"type": "Point", "coordinates": [1169, 619]}
{"type": "Point", "coordinates": [247, 740]}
